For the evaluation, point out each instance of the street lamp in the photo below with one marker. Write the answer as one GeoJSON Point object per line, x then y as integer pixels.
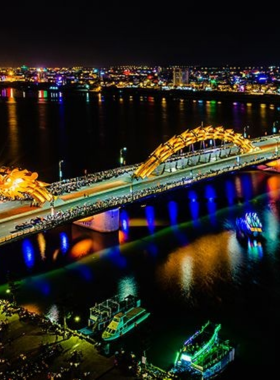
{"type": "Point", "coordinates": [245, 132]}
{"type": "Point", "coordinates": [131, 188]}
{"type": "Point", "coordinates": [122, 156]}
{"type": "Point", "coordinates": [276, 148]}
{"type": "Point", "coordinates": [60, 170]}
{"type": "Point", "coordinates": [52, 206]}
{"type": "Point", "coordinates": [274, 126]}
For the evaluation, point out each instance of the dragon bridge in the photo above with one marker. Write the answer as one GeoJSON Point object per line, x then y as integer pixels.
{"type": "Point", "coordinates": [188, 138]}
{"type": "Point", "coordinates": [18, 184]}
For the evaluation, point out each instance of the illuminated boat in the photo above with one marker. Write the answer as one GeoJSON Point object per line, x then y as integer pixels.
{"type": "Point", "coordinates": [249, 226]}
{"type": "Point", "coordinates": [201, 341]}
{"type": "Point", "coordinates": [204, 353]}
{"type": "Point", "coordinates": [101, 314]}
{"type": "Point", "coordinates": [214, 361]}
{"type": "Point", "coordinates": [123, 322]}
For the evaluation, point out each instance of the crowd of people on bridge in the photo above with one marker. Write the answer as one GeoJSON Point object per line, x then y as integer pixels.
{"type": "Point", "coordinates": [87, 209]}
{"type": "Point", "coordinates": [74, 184]}
{"type": "Point", "coordinates": [90, 208]}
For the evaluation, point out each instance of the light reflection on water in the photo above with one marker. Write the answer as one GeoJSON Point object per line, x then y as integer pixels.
{"type": "Point", "coordinates": [179, 254]}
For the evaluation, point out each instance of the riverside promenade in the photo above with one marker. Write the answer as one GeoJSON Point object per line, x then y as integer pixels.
{"type": "Point", "coordinates": [31, 347]}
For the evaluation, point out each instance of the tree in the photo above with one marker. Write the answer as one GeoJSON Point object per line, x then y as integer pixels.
{"type": "Point", "coordinates": [13, 287]}
{"type": "Point", "coordinates": [65, 306]}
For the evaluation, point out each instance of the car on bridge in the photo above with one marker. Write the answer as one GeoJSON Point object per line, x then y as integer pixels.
{"type": "Point", "coordinates": [23, 226]}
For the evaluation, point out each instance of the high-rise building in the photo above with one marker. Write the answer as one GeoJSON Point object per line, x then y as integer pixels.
{"type": "Point", "coordinates": [181, 76]}
{"type": "Point", "coordinates": [177, 76]}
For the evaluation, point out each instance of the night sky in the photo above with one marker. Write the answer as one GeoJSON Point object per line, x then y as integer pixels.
{"type": "Point", "coordinates": [125, 33]}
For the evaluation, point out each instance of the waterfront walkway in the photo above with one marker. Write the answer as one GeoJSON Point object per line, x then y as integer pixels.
{"type": "Point", "coordinates": [31, 347]}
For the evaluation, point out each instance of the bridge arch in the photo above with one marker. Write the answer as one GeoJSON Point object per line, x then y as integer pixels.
{"type": "Point", "coordinates": [187, 138]}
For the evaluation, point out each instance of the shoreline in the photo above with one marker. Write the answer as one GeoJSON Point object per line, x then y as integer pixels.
{"type": "Point", "coordinates": [161, 93]}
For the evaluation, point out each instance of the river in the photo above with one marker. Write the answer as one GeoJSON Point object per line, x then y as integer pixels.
{"type": "Point", "coordinates": [178, 253]}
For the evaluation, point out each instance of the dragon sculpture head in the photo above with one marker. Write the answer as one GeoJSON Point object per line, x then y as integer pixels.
{"type": "Point", "coordinates": [19, 184]}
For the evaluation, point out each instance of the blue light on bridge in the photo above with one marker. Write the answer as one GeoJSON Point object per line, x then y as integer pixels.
{"type": "Point", "coordinates": [150, 218]}
{"type": "Point", "coordinates": [210, 193]}
{"type": "Point", "coordinates": [28, 253]}
{"type": "Point", "coordinates": [211, 204]}
{"type": "Point", "coordinates": [64, 242]}
{"type": "Point", "coordinates": [117, 258]}
{"type": "Point", "coordinates": [230, 193]}
{"type": "Point", "coordinates": [124, 221]}
{"type": "Point", "coordinates": [173, 212]}
{"type": "Point", "coordinates": [194, 206]}
{"type": "Point", "coordinates": [192, 196]}
{"type": "Point", "coordinates": [246, 187]}
{"type": "Point", "coordinates": [212, 208]}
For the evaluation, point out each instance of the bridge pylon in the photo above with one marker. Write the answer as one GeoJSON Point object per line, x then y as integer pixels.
{"type": "Point", "coordinates": [107, 221]}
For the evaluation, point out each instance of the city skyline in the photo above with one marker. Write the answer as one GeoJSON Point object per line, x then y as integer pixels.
{"type": "Point", "coordinates": [103, 35]}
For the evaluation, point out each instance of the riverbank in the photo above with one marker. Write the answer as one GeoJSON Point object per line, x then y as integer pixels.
{"type": "Point", "coordinates": [31, 347]}
{"type": "Point", "coordinates": [268, 98]}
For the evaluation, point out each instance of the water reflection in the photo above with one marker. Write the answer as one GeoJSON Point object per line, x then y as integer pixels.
{"type": "Point", "coordinates": [150, 217]}
{"type": "Point", "coordinates": [179, 254]}
{"type": "Point", "coordinates": [126, 286]}
{"type": "Point", "coordinates": [28, 253]}
{"type": "Point", "coordinates": [42, 245]}
{"type": "Point", "coordinates": [67, 244]}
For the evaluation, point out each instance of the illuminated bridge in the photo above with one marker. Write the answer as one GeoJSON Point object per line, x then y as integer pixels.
{"type": "Point", "coordinates": [188, 139]}
{"type": "Point", "coordinates": [181, 161]}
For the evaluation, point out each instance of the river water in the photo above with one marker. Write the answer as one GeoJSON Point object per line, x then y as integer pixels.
{"type": "Point", "coordinates": [178, 253]}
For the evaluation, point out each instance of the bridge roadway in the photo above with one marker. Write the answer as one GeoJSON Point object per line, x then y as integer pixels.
{"type": "Point", "coordinates": [123, 189]}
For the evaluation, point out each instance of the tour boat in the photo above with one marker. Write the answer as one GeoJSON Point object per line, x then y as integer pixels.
{"type": "Point", "coordinates": [102, 313]}
{"type": "Point", "coordinates": [125, 321]}
{"type": "Point", "coordinates": [198, 343]}
{"type": "Point", "coordinates": [213, 362]}
{"type": "Point", "coordinates": [204, 353]}
{"type": "Point", "coordinates": [249, 226]}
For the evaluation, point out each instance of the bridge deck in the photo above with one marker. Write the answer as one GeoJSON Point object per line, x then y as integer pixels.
{"type": "Point", "coordinates": [90, 191]}
{"type": "Point", "coordinates": [19, 208]}
{"type": "Point", "coordinates": [123, 187]}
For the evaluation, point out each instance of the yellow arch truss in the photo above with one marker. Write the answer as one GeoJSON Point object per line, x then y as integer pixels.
{"type": "Point", "coordinates": [187, 138]}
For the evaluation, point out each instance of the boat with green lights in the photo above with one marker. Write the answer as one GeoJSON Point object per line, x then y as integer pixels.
{"type": "Point", "coordinates": [200, 341]}
{"type": "Point", "coordinates": [204, 353]}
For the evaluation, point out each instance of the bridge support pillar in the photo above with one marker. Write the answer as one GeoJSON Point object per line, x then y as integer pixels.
{"type": "Point", "coordinates": [107, 221]}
